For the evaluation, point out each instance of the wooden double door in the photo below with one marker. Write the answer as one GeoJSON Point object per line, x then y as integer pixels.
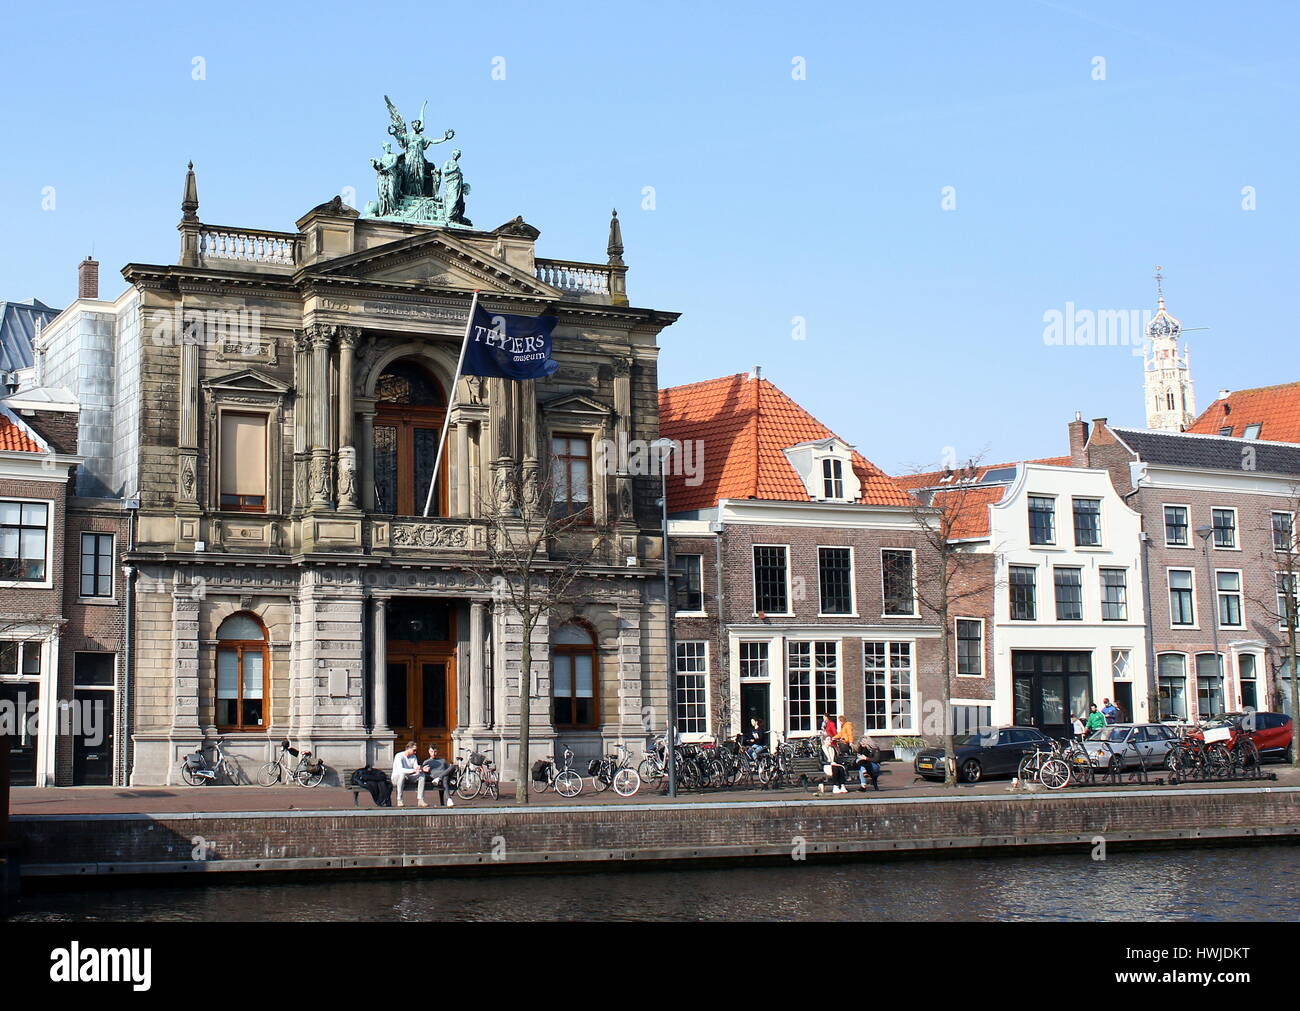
{"type": "Point", "coordinates": [422, 697]}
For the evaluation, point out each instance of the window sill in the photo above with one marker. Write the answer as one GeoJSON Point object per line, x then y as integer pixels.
{"type": "Point", "coordinates": [846, 614]}
{"type": "Point", "coordinates": [98, 601]}
{"type": "Point", "coordinates": [690, 614]}
{"type": "Point", "coordinates": [1180, 547]}
{"type": "Point", "coordinates": [901, 616]}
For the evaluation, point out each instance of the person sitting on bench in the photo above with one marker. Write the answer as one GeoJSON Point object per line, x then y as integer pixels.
{"type": "Point", "coordinates": [437, 772]}
{"type": "Point", "coordinates": [833, 768]}
{"type": "Point", "coordinates": [868, 763]}
{"type": "Point", "coordinates": [405, 768]}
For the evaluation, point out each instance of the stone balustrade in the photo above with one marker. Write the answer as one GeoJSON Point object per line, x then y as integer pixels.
{"type": "Point", "coordinates": [250, 245]}
{"type": "Point", "coordinates": [572, 276]}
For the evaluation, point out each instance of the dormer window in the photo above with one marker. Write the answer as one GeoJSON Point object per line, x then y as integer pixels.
{"type": "Point", "coordinates": [832, 478]}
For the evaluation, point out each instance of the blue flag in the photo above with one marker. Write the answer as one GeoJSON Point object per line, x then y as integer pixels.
{"type": "Point", "coordinates": [509, 347]}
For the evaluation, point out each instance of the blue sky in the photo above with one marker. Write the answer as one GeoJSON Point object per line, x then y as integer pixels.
{"type": "Point", "coordinates": [774, 198]}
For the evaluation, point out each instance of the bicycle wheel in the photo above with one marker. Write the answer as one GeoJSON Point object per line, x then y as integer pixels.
{"type": "Point", "coordinates": [492, 783]}
{"type": "Point", "coordinates": [468, 784]}
{"type": "Point", "coordinates": [1027, 770]}
{"type": "Point", "coordinates": [719, 776]}
{"type": "Point", "coordinates": [1248, 757]}
{"type": "Point", "coordinates": [568, 783]}
{"type": "Point", "coordinates": [1219, 759]}
{"type": "Point", "coordinates": [600, 781]}
{"type": "Point", "coordinates": [626, 782]}
{"type": "Point", "coordinates": [308, 778]}
{"type": "Point", "coordinates": [191, 777]}
{"type": "Point", "coordinates": [539, 785]}
{"type": "Point", "coordinates": [650, 771]}
{"type": "Point", "coordinates": [269, 774]}
{"type": "Point", "coordinates": [1054, 774]}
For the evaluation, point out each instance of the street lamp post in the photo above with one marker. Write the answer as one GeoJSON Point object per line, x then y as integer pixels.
{"type": "Point", "coordinates": [665, 449]}
{"type": "Point", "coordinates": [1204, 533]}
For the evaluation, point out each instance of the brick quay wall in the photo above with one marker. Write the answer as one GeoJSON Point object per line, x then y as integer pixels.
{"type": "Point", "coordinates": [598, 836]}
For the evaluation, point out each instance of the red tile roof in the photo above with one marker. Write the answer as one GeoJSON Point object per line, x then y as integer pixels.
{"type": "Point", "coordinates": [13, 439]}
{"type": "Point", "coordinates": [744, 425]}
{"type": "Point", "coordinates": [1275, 408]}
{"type": "Point", "coordinates": [968, 504]}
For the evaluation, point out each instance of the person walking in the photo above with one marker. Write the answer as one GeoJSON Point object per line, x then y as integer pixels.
{"type": "Point", "coordinates": [1077, 728]}
{"type": "Point", "coordinates": [436, 771]}
{"type": "Point", "coordinates": [1095, 719]}
{"type": "Point", "coordinates": [405, 768]}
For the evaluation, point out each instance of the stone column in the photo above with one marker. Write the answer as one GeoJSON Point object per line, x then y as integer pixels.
{"type": "Point", "coordinates": [321, 338]}
{"type": "Point", "coordinates": [347, 467]}
{"type": "Point", "coordinates": [379, 687]}
{"type": "Point", "coordinates": [461, 469]}
{"type": "Point", "coordinates": [477, 687]}
{"type": "Point", "coordinates": [365, 461]}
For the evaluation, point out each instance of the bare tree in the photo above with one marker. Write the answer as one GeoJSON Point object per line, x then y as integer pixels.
{"type": "Point", "coordinates": [947, 573]}
{"type": "Point", "coordinates": [535, 552]}
{"type": "Point", "coordinates": [1283, 605]}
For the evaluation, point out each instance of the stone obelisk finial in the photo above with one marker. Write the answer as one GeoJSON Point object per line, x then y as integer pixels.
{"type": "Point", "coordinates": [190, 202]}
{"type": "Point", "coordinates": [615, 247]}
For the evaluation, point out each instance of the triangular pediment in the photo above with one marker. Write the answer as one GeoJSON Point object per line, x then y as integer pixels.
{"type": "Point", "coordinates": [435, 259]}
{"type": "Point", "coordinates": [247, 381]}
{"type": "Point", "coordinates": [576, 403]}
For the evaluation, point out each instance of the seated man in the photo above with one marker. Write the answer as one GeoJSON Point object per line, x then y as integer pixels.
{"type": "Point", "coordinates": [868, 762]}
{"type": "Point", "coordinates": [437, 772]}
{"type": "Point", "coordinates": [404, 769]}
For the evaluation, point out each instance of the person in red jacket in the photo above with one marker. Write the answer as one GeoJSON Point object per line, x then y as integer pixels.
{"type": "Point", "coordinates": [828, 726]}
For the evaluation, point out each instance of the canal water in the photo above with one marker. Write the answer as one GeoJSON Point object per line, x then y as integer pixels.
{"type": "Point", "coordinates": [1232, 884]}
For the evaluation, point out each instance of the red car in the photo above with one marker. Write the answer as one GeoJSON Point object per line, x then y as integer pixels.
{"type": "Point", "coordinates": [1270, 731]}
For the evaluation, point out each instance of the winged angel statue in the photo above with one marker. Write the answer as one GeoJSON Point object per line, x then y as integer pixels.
{"type": "Point", "coordinates": [407, 174]}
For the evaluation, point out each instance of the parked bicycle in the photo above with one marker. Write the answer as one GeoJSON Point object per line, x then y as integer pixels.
{"type": "Point", "coordinates": [196, 770]}
{"type": "Point", "coordinates": [307, 772]}
{"type": "Point", "coordinates": [477, 775]}
{"type": "Point", "coordinates": [616, 771]}
{"type": "Point", "coordinates": [1046, 766]}
{"type": "Point", "coordinates": [562, 779]}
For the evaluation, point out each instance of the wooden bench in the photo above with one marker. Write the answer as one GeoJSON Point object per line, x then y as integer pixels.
{"type": "Point", "coordinates": [810, 773]}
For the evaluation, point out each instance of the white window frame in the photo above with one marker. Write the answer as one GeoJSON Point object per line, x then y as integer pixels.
{"type": "Point", "coordinates": [1010, 587]}
{"type": "Point", "coordinates": [852, 612]}
{"type": "Point", "coordinates": [112, 573]}
{"type": "Point", "coordinates": [1101, 527]}
{"type": "Point", "coordinates": [1290, 516]}
{"type": "Point", "coordinates": [708, 708]}
{"type": "Point", "coordinates": [740, 661]}
{"type": "Point", "coordinates": [1278, 577]}
{"type": "Point", "coordinates": [1056, 600]}
{"type": "Point", "coordinates": [1241, 598]}
{"type": "Point", "coordinates": [753, 581]}
{"type": "Point", "coordinates": [833, 463]}
{"type": "Point", "coordinates": [52, 523]}
{"type": "Point", "coordinates": [914, 701]}
{"type": "Point", "coordinates": [812, 642]}
{"type": "Point", "coordinates": [1127, 676]}
{"type": "Point", "coordinates": [956, 639]}
{"type": "Point", "coordinates": [1236, 528]}
{"type": "Point", "coordinates": [1164, 526]}
{"type": "Point", "coordinates": [703, 611]}
{"type": "Point", "coordinates": [1169, 587]}
{"type": "Point", "coordinates": [1101, 590]}
{"type": "Point", "coordinates": [916, 608]}
{"type": "Point", "coordinates": [1029, 520]}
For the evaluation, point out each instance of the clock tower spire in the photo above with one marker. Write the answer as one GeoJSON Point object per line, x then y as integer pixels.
{"type": "Point", "coordinates": [1171, 405]}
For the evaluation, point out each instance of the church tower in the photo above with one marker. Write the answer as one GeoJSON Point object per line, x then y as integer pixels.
{"type": "Point", "coordinates": [1168, 375]}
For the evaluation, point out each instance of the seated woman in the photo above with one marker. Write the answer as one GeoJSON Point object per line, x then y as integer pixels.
{"type": "Point", "coordinates": [868, 763]}
{"type": "Point", "coordinates": [833, 768]}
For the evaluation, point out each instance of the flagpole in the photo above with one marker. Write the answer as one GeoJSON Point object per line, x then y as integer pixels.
{"type": "Point", "coordinates": [451, 400]}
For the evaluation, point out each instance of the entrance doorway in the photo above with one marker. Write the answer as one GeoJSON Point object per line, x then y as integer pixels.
{"type": "Point", "coordinates": [421, 674]}
{"type": "Point", "coordinates": [755, 703]}
{"type": "Point", "coordinates": [1124, 701]}
{"type": "Point", "coordinates": [1050, 687]}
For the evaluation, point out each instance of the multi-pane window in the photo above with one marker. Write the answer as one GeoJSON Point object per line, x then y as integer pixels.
{"type": "Point", "coordinates": [23, 528]}
{"type": "Point", "coordinates": [96, 565]}
{"type": "Point", "coordinates": [812, 673]}
{"type": "Point", "coordinates": [770, 593]}
{"type": "Point", "coordinates": [1252, 431]}
{"type": "Point", "coordinates": [1283, 532]}
{"type": "Point", "coordinates": [1069, 593]}
{"type": "Point", "coordinates": [1246, 673]}
{"type": "Point", "coordinates": [1172, 669]}
{"type": "Point", "coordinates": [243, 461]}
{"type": "Point", "coordinates": [573, 677]}
{"type": "Point", "coordinates": [1288, 599]}
{"type": "Point", "coordinates": [409, 413]}
{"type": "Point", "coordinates": [1181, 609]}
{"type": "Point", "coordinates": [971, 719]}
{"type": "Point", "coordinates": [692, 688]}
{"type": "Point", "coordinates": [571, 475]}
{"type": "Point", "coordinates": [889, 685]}
{"type": "Point", "coordinates": [1042, 519]}
{"type": "Point", "coordinates": [832, 478]}
{"type": "Point", "coordinates": [1209, 684]}
{"type": "Point", "coordinates": [1114, 595]}
{"type": "Point", "coordinates": [753, 660]}
{"type": "Point", "coordinates": [1225, 527]}
{"type": "Point", "coordinates": [835, 577]}
{"type": "Point", "coordinates": [690, 590]}
{"type": "Point", "coordinates": [897, 575]}
{"type": "Point", "coordinates": [242, 662]}
{"type": "Point", "coordinates": [970, 647]}
{"type": "Point", "coordinates": [1024, 592]}
{"type": "Point", "coordinates": [1228, 585]}
{"type": "Point", "coordinates": [1087, 522]}
{"type": "Point", "coordinates": [1176, 525]}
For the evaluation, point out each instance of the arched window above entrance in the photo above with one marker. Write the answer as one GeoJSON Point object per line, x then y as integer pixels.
{"type": "Point", "coordinates": [243, 663]}
{"type": "Point", "coordinates": [411, 408]}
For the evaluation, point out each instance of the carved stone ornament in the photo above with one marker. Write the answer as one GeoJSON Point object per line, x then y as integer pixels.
{"type": "Point", "coordinates": [347, 473]}
{"type": "Point", "coordinates": [187, 478]}
{"type": "Point", "coordinates": [320, 480]}
{"type": "Point", "coordinates": [427, 535]}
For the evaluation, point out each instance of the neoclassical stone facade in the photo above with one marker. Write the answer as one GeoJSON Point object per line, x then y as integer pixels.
{"type": "Point", "coordinates": [292, 387]}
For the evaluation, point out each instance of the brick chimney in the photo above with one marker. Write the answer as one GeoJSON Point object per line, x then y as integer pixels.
{"type": "Point", "coordinates": [1078, 439]}
{"type": "Point", "coordinates": [88, 278]}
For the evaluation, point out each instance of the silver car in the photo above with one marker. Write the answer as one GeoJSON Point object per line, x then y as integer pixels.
{"type": "Point", "coordinates": [1131, 743]}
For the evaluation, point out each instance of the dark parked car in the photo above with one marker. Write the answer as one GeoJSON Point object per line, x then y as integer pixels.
{"type": "Point", "coordinates": [991, 753]}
